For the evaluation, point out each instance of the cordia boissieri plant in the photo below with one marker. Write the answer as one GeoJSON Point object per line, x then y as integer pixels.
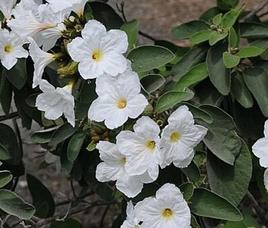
{"type": "Point", "coordinates": [160, 135]}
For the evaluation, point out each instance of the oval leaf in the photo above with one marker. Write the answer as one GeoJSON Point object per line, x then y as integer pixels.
{"type": "Point", "coordinates": [146, 58]}
{"type": "Point", "coordinates": [12, 204]}
{"type": "Point", "coordinates": [208, 204]}
{"type": "Point", "coordinates": [5, 178]}
{"type": "Point", "coordinates": [75, 146]}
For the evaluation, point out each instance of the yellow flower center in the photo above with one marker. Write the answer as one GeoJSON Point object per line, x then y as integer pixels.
{"type": "Point", "coordinates": [150, 144]}
{"type": "Point", "coordinates": [8, 48]}
{"type": "Point", "coordinates": [124, 160]}
{"type": "Point", "coordinates": [175, 136]}
{"type": "Point", "coordinates": [121, 103]}
{"type": "Point", "coordinates": [167, 213]}
{"type": "Point", "coordinates": [97, 55]}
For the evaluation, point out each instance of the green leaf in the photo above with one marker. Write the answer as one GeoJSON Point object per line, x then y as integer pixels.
{"type": "Point", "coordinates": [208, 204]}
{"type": "Point", "coordinates": [222, 139]}
{"type": "Point", "coordinates": [250, 51]}
{"type": "Point", "coordinates": [5, 178]}
{"type": "Point", "coordinates": [233, 183]}
{"type": "Point", "coordinates": [8, 140]}
{"type": "Point", "coordinates": [187, 30]}
{"type": "Point", "coordinates": [12, 204]}
{"type": "Point", "coordinates": [193, 57]}
{"type": "Point", "coordinates": [197, 74]}
{"type": "Point", "coordinates": [132, 30]}
{"type": "Point", "coordinates": [230, 18]}
{"type": "Point", "coordinates": [217, 19]}
{"type": "Point", "coordinates": [88, 14]}
{"type": "Point", "coordinates": [187, 190]}
{"type": "Point", "coordinates": [171, 99]}
{"type": "Point", "coordinates": [69, 223]}
{"type": "Point", "coordinates": [215, 37]}
{"type": "Point", "coordinates": [256, 80]}
{"type": "Point", "coordinates": [210, 14]}
{"type": "Point", "coordinates": [218, 74]}
{"type": "Point", "coordinates": [229, 60]}
{"type": "Point", "coordinates": [62, 133]}
{"type": "Point", "coordinates": [241, 92]}
{"type": "Point", "coordinates": [192, 172]}
{"type": "Point", "coordinates": [200, 37]}
{"type": "Point", "coordinates": [106, 15]}
{"type": "Point", "coordinates": [42, 199]}
{"type": "Point", "coordinates": [146, 58]}
{"type": "Point", "coordinates": [17, 76]}
{"type": "Point", "coordinates": [43, 136]}
{"type": "Point", "coordinates": [5, 93]}
{"type": "Point", "coordinates": [227, 4]}
{"type": "Point", "coordinates": [198, 113]}
{"type": "Point", "coordinates": [253, 30]}
{"type": "Point", "coordinates": [4, 153]}
{"type": "Point", "coordinates": [233, 39]}
{"type": "Point", "coordinates": [152, 82]}
{"type": "Point", "coordinates": [75, 145]}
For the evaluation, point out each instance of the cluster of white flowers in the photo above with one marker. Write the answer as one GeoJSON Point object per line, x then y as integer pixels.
{"type": "Point", "coordinates": [98, 52]}
{"type": "Point", "coordinates": [167, 209]}
{"type": "Point", "coordinates": [260, 150]}
{"type": "Point", "coordinates": [138, 154]}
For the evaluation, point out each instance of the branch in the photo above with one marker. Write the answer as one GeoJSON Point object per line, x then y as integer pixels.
{"type": "Point", "coordinates": [257, 9]}
{"type": "Point", "coordinates": [147, 36]}
{"type": "Point", "coordinates": [73, 212]}
{"type": "Point", "coordinates": [9, 116]}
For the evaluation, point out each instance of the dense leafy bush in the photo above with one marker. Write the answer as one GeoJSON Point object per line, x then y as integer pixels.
{"type": "Point", "coordinates": [167, 136]}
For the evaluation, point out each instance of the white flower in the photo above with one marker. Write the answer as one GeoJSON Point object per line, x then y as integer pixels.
{"type": "Point", "coordinates": [6, 7]}
{"type": "Point", "coordinates": [167, 209]}
{"type": "Point", "coordinates": [131, 221]}
{"type": "Point", "coordinates": [141, 147]}
{"type": "Point", "coordinates": [119, 99]}
{"type": "Point", "coordinates": [41, 59]}
{"type": "Point", "coordinates": [260, 148]}
{"type": "Point", "coordinates": [179, 138]}
{"type": "Point", "coordinates": [99, 51]}
{"type": "Point", "coordinates": [76, 6]}
{"type": "Point", "coordinates": [11, 48]}
{"type": "Point", "coordinates": [38, 22]}
{"type": "Point", "coordinates": [113, 169]}
{"type": "Point", "coordinates": [56, 101]}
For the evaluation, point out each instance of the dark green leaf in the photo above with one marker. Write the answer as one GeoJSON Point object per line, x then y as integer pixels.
{"type": "Point", "coordinates": [5, 178]}
{"type": "Point", "coordinates": [200, 114]}
{"type": "Point", "coordinates": [132, 30]}
{"type": "Point", "coordinates": [12, 204]}
{"type": "Point", "coordinates": [233, 183]}
{"type": "Point", "coordinates": [8, 140]}
{"type": "Point", "coordinates": [88, 14]}
{"type": "Point", "coordinates": [75, 145]}
{"type": "Point", "coordinates": [187, 30]}
{"type": "Point", "coordinates": [218, 74]}
{"type": "Point", "coordinates": [146, 58]}
{"type": "Point", "coordinates": [195, 75]}
{"type": "Point", "coordinates": [152, 82]}
{"type": "Point", "coordinates": [43, 136]}
{"type": "Point", "coordinates": [171, 99]}
{"type": "Point", "coordinates": [187, 190]}
{"type": "Point", "coordinates": [254, 30]}
{"type": "Point", "coordinates": [208, 204]}
{"type": "Point", "coordinates": [241, 92]}
{"type": "Point", "coordinates": [229, 60]}
{"type": "Point", "coordinates": [62, 133]}
{"type": "Point", "coordinates": [192, 172]}
{"type": "Point", "coordinates": [5, 93]}
{"type": "Point", "coordinates": [200, 37]}
{"type": "Point", "coordinates": [69, 223]}
{"type": "Point", "coordinates": [4, 153]}
{"type": "Point", "coordinates": [17, 76]}
{"type": "Point", "coordinates": [106, 15]}
{"type": "Point", "coordinates": [222, 139]}
{"type": "Point", "coordinates": [256, 80]}
{"type": "Point", "coordinates": [191, 58]}
{"type": "Point", "coordinates": [42, 199]}
{"type": "Point", "coordinates": [227, 4]}
{"type": "Point", "coordinates": [210, 14]}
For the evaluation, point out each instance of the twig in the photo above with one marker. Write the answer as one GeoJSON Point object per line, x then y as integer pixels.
{"type": "Point", "coordinates": [147, 36]}
{"type": "Point", "coordinates": [78, 198]}
{"type": "Point", "coordinates": [9, 116]}
{"type": "Point", "coordinates": [257, 9]}
{"type": "Point", "coordinates": [260, 212]}
{"type": "Point", "coordinates": [72, 212]}
{"type": "Point", "coordinates": [103, 216]}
